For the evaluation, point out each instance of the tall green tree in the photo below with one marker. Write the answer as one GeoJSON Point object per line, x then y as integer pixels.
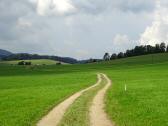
{"type": "Point", "coordinates": [113, 56]}
{"type": "Point", "coordinates": [157, 48]}
{"type": "Point", "coordinates": [120, 55]}
{"type": "Point", "coordinates": [162, 47]}
{"type": "Point", "coordinates": [150, 49]}
{"type": "Point", "coordinates": [106, 56]}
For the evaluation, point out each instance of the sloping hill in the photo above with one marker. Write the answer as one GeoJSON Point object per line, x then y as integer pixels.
{"type": "Point", "coordinates": [4, 53]}
{"type": "Point", "coordinates": [139, 60]}
{"type": "Point", "coordinates": [27, 56]}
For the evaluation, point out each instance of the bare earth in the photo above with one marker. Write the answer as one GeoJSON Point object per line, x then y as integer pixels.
{"type": "Point", "coordinates": [98, 116]}
{"type": "Point", "coordinates": [54, 116]}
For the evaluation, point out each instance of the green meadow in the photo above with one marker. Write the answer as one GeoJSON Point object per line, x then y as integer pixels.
{"type": "Point", "coordinates": [26, 95]}
{"type": "Point", "coordinates": [144, 103]}
{"type": "Point", "coordinates": [29, 92]}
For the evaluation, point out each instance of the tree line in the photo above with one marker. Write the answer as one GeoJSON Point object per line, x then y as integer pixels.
{"type": "Point", "coordinates": [137, 51]}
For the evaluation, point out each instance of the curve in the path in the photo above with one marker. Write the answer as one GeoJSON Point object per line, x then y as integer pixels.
{"type": "Point", "coordinates": [56, 114]}
{"type": "Point", "coordinates": [98, 116]}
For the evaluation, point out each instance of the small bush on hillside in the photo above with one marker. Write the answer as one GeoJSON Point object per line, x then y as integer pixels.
{"type": "Point", "coordinates": [24, 63]}
{"type": "Point", "coordinates": [27, 63]}
{"type": "Point", "coordinates": [21, 63]}
{"type": "Point", "coordinates": [59, 63]}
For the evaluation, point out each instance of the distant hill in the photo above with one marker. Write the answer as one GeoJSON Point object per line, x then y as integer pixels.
{"type": "Point", "coordinates": [4, 53]}
{"type": "Point", "coordinates": [89, 61]}
{"type": "Point", "coordinates": [8, 56]}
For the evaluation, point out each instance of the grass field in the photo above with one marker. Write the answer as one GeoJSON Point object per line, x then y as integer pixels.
{"type": "Point", "coordinates": [27, 93]}
{"type": "Point", "coordinates": [25, 98]}
{"type": "Point", "coordinates": [145, 101]}
{"type": "Point", "coordinates": [34, 62]}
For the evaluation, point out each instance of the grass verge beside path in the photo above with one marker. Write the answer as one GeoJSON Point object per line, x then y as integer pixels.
{"type": "Point", "coordinates": [78, 113]}
{"type": "Point", "coordinates": [145, 103]}
{"type": "Point", "coordinates": [25, 99]}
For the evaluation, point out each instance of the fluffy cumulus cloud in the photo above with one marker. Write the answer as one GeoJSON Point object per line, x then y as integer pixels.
{"type": "Point", "coordinates": [54, 7]}
{"type": "Point", "coordinates": [158, 30]}
{"type": "Point", "coordinates": [122, 42]}
{"type": "Point", "coordinates": [80, 28]}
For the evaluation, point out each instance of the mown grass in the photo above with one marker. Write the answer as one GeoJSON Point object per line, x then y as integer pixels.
{"type": "Point", "coordinates": [34, 62]}
{"type": "Point", "coordinates": [24, 99]}
{"type": "Point", "coordinates": [140, 60]}
{"type": "Point", "coordinates": [78, 112]}
{"type": "Point", "coordinates": [29, 92]}
{"type": "Point", "coordinates": [145, 101]}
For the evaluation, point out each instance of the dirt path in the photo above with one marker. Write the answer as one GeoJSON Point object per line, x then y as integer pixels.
{"type": "Point", "coordinates": [55, 115]}
{"type": "Point", "coordinates": [98, 116]}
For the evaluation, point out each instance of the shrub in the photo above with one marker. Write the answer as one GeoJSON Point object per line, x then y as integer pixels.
{"type": "Point", "coordinates": [59, 63]}
{"type": "Point", "coordinates": [21, 63]}
{"type": "Point", "coordinates": [27, 63]}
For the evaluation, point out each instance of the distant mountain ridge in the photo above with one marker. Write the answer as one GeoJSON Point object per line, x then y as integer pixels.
{"type": "Point", "coordinates": [4, 53]}
{"type": "Point", "coordinates": [8, 56]}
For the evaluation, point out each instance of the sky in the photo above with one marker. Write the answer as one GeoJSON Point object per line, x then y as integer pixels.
{"type": "Point", "coordinates": [81, 29]}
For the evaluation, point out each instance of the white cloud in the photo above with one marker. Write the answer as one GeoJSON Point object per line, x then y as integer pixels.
{"type": "Point", "coordinates": [158, 31]}
{"type": "Point", "coordinates": [54, 7]}
{"type": "Point", "coordinates": [22, 23]}
{"type": "Point", "coordinates": [121, 42]}
{"type": "Point", "coordinates": [33, 1]}
{"type": "Point", "coordinates": [82, 53]}
{"type": "Point", "coordinates": [76, 28]}
{"type": "Point", "coordinates": [57, 7]}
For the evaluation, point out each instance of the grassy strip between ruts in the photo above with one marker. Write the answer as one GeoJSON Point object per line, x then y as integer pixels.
{"type": "Point", "coordinates": [78, 112]}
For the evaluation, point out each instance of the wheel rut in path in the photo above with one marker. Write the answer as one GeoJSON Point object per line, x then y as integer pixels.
{"type": "Point", "coordinates": [56, 114]}
{"type": "Point", "coordinates": [98, 117]}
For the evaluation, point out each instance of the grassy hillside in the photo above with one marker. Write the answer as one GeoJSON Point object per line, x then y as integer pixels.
{"type": "Point", "coordinates": [27, 93]}
{"type": "Point", "coordinates": [145, 101]}
{"type": "Point", "coordinates": [140, 60]}
{"type": "Point", "coordinates": [34, 62]}
{"type": "Point", "coordinates": [4, 53]}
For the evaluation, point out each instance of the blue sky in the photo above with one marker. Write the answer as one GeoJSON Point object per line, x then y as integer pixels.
{"type": "Point", "coordinates": [81, 28]}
